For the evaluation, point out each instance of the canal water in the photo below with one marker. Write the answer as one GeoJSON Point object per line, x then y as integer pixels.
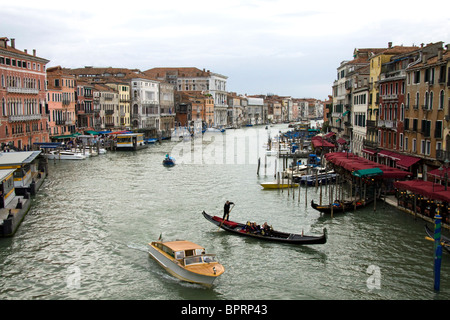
{"type": "Point", "coordinates": [86, 235]}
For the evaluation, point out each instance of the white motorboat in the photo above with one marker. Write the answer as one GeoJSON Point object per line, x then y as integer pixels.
{"type": "Point", "coordinates": [64, 155]}
{"type": "Point", "coordinates": [186, 261]}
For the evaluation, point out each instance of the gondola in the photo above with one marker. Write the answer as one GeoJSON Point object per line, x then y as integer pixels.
{"type": "Point", "coordinates": [444, 240]}
{"type": "Point", "coordinates": [272, 235]}
{"type": "Point", "coordinates": [344, 206]}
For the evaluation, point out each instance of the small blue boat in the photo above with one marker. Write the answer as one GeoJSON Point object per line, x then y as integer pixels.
{"type": "Point", "coordinates": [168, 161]}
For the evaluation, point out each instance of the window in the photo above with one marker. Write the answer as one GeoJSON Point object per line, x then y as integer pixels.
{"type": "Point", "coordinates": [414, 145]}
{"type": "Point", "coordinates": [401, 141]}
{"type": "Point", "coordinates": [405, 146]}
{"type": "Point", "coordinates": [416, 79]}
{"type": "Point", "coordinates": [416, 105]}
{"type": "Point", "coordinates": [438, 130]}
{"type": "Point", "coordinates": [430, 106]}
{"type": "Point", "coordinates": [441, 99]}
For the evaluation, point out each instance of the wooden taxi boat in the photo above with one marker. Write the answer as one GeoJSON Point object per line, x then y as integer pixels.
{"type": "Point", "coordinates": [186, 261]}
{"type": "Point", "coordinates": [272, 235]}
{"type": "Point", "coordinates": [280, 185]}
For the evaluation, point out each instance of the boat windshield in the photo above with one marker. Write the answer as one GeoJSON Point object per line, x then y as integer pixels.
{"type": "Point", "coordinates": [206, 258]}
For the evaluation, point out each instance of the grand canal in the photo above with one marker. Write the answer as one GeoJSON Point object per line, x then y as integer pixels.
{"type": "Point", "coordinates": [86, 233]}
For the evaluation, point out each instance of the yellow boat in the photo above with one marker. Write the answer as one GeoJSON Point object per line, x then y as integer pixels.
{"type": "Point", "coordinates": [276, 185]}
{"type": "Point", "coordinates": [186, 261]}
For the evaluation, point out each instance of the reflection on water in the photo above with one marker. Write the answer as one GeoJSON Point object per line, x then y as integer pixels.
{"type": "Point", "coordinates": [86, 234]}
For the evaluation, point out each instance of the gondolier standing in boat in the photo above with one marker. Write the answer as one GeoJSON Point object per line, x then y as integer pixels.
{"type": "Point", "coordinates": [226, 210]}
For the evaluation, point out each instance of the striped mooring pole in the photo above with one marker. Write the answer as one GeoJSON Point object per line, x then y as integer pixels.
{"type": "Point", "coordinates": [437, 251]}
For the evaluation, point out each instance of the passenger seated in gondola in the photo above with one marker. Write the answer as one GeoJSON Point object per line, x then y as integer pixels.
{"type": "Point", "coordinates": [336, 203]}
{"type": "Point", "coordinates": [251, 227]}
{"type": "Point", "coordinates": [266, 229]}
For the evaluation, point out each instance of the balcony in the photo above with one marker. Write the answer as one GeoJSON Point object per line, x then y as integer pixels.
{"type": "Point", "coordinates": [441, 155]}
{"type": "Point", "coordinates": [388, 124]}
{"type": "Point", "coordinates": [28, 117]}
{"type": "Point", "coordinates": [371, 123]}
{"type": "Point", "coordinates": [22, 90]}
{"type": "Point", "coordinates": [390, 97]}
{"type": "Point", "coordinates": [370, 144]}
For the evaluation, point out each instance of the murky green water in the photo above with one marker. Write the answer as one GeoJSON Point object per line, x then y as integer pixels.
{"type": "Point", "coordinates": [86, 234]}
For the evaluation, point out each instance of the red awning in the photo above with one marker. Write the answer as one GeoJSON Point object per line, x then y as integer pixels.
{"type": "Point", "coordinates": [317, 143]}
{"type": "Point", "coordinates": [407, 161]}
{"type": "Point", "coordinates": [329, 134]}
{"type": "Point", "coordinates": [341, 141]}
{"type": "Point", "coordinates": [369, 151]}
{"type": "Point", "coordinates": [426, 188]}
{"type": "Point", "coordinates": [389, 154]}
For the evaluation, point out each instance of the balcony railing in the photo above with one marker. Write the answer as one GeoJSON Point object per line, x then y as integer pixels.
{"type": "Point", "coordinates": [371, 123]}
{"type": "Point", "coordinates": [370, 144]}
{"type": "Point", "coordinates": [22, 90]}
{"type": "Point", "coordinates": [389, 124]}
{"type": "Point", "coordinates": [442, 155]}
{"type": "Point", "coordinates": [27, 117]}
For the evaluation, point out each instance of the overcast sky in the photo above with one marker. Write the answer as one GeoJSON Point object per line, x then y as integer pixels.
{"type": "Point", "coordinates": [284, 47]}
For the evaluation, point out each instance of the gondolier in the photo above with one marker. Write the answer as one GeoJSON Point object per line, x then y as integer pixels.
{"type": "Point", "coordinates": [226, 210]}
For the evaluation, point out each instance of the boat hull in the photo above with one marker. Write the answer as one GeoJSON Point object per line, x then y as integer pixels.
{"type": "Point", "coordinates": [168, 162]}
{"type": "Point", "coordinates": [179, 272]}
{"type": "Point", "coordinates": [57, 156]}
{"type": "Point", "coordinates": [346, 207]}
{"type": "Point", "coordinates": [275, 185]}
{"type": "Point", "coordinates": [275, 236]}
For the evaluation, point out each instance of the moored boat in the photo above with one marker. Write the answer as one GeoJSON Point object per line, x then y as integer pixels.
{"type": "Point", "coordinates": [269, 235]}
{"type": "Point", "coordinates": [278, 185]}
{"type": "Point", "coordinates": [445, 242]}
{"type": "Point", "coordinates": [187, 261]}
{"type": "Point", "coordinates": [130, 141]}
{"type": "Point", "coordinates": [321, 176]}
{"type": "Point", "coordinates": [64, 155]}
{"type": "Point", "coordinates": [341, 206]}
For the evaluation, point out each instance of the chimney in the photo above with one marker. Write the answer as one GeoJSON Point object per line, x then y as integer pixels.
{"type": "Point", "coordinates": [25, 50]}
{"type": "Point", "coordinates": [34, 52]}
{"type": "Point", "coordinates": [440, 54]}
{"type": "Point", "coordinates": [4, 42]}
{"type": "Point", "coordinates": [13, 43]}
{"type": "Point", "coordinates": [389, 45]}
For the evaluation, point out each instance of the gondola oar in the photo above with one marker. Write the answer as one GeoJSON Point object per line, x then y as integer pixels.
{"type": "Point", "coordinates": [224, 219]}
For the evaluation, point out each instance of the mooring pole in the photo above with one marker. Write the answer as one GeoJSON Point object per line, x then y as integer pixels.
{"type": "Point", "coordinates": [437, 251]}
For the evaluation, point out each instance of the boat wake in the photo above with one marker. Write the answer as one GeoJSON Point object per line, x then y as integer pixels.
{"type": "Point", "coordinates": [138, 247]}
